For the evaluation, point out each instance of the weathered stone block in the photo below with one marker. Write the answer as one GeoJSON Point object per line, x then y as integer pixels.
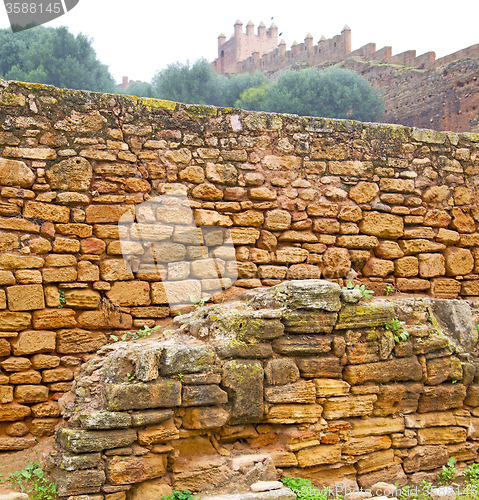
{"type": "Point", "coordinates": [82, 299]}
{"type": "Point", "coordinates": [186, 359]}
{"type": "Point", "coordinates": [299, 392]}
{"type": "Point", "coordinates": [318, 455]}
{"type": "Point", "coordinates": [349, 406]}
{"type": "Point", "coordinates": [27, 394]}
{"type": "Point", "coordinates": [129, 470]}
{"type": "Point", "coordinates": [308, 322]}
{"type": "Point", "coordinates": [45, 211]}
{"type": "Point", "coordinates": [13, 412]}
{"type": "Point", "coordinates": [14, 321]}
{"type": "Point", "coordinates": [54, 318]}
{"type": "Point", "coordinates": [382, 225]}
{"type": "Point", "coordinates": [302, 345]}
{"type": "Point", "coordinates": [102, 320]}
{"type": "Point", "coordinates": [138, 396]}
{"type": "Point", "coordinates": [82, 441]}
{"type": "Point", "coordinates": [362, 446]}
{"type": "Point", "coordinates": [80, 482]}
{"type": "Point", "coordinates": [281, 371]}
{"type": "Point", "coordinates": [425, 458]}
{"type": "Point", "coordinates": [79, 341]}
{"type": "Point", "coordinates": [205, 418]}
{"type": "Point", "coordinates": [79, 462]}
{"type": "Point", "coordinates": [401, 369]}
{"type": "Point", "coordinates": [33, 341]}
{"type": "Point", "coordinates": [440, 398]}
{"type": "Point", "coordinates": [364, 315]}
{"type": "Point", "coordinates": [203, 395]}
{"type": "Point", "coordinates": [320, 367]}
{"type": "Point", "coordinates": [441, 435]}
{"type": "Point", "coordinates": [376, 426]}
{"type": "Point", "coordinates": [294, 413]}
{"type": "Point", "coordinates": [330, 387]}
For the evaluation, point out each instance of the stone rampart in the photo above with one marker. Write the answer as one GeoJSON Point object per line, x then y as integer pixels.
{"type": "Point", "coordinates": [389, 206]}
{"type": "Point", "coordinates": [304, 376]}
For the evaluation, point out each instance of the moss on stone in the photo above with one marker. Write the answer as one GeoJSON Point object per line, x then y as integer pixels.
{"type": "Point", "coordinates": [199, 111]}
{"type": "Point", "coordinates": [157, 103]}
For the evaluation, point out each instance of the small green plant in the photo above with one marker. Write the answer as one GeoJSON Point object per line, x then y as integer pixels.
{"type": "Point", "coordinates": [179, 495]}
{"type": "Point", "coordinates": [449, 472]}
{"type": "Point", "coordinates": [180, 377]}
{"type": "Point", "coordinates": [200, 303]}
{"type": "Point", "coordinates": [130, 376]}
{"type": "Point", "coordinates": [61, 296]}
{"type": "Point", "coordinates": [304, 489]}
{"type": "Point", "coordinates": [471, 473]}
{"type": "Point", "coordinates": [420, 492]}
{"type": "Point", "coordinates": [398, 330]}
{"type": "Point", "coordinates": [389, 289]}
{"type": "Point", "coordinates": [367, 294]}
{"type": "Point", "coordinates": [477, 328]}
{"type": "Point", "coordinates": [32, 480]}
{"type": "Point", "coordinates": [454, 382]}
{"type": "Point", "coordinates": [146, 331]}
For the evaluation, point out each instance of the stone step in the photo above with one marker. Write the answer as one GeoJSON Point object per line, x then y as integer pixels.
{"type": "Point", "coordinates": [280, 494]}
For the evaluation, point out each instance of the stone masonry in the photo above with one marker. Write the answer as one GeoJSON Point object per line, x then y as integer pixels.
{"type": "Point", "coordinates": [304, 377]}
{"type": "Point", "coordinates": [301, 198]}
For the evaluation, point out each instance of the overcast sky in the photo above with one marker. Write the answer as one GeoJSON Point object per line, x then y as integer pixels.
{"type": "Point", "coordinates": [138, 38]}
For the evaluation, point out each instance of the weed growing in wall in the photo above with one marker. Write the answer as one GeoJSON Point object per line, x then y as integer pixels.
{"type": "Point", "coordinates": [32, 480]}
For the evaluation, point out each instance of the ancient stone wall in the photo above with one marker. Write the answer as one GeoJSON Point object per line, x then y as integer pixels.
{"type": "Point", "coordinates": [303, 377]}
{"type": "Point", "coordinates": [393, 207]}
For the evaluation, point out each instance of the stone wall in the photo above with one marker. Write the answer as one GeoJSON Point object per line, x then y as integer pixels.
{"type": "Point", "coordinates": [303, 377]}
{"type": "Point", "coordinates": [393, 207]}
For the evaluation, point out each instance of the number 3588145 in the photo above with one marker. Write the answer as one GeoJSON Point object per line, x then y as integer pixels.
{"type": "Point", "coordinates": [33, 8]}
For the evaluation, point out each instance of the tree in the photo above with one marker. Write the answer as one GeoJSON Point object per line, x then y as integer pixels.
{"type": "Point", "coordinates": [190, 84]}
{"type": "Point", "coordinates": [53, 56]}
{"type": "Point", "coordinates": [198, 83]}
{"type": "Point", "coordinates": [253, 98]}
{"type": "Point", "coordinates": [140, 89]}
{"type": "Point", "coordinates": [330, 93]}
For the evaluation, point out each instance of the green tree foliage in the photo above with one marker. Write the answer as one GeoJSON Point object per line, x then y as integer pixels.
{"type": "Point", "coordinates": [331, 93]}
{"type": "Point", "coordinates": [198, 83]}
{"type": "Point", "coordinates": [140, 89]}
{"type": "Point", "coordinates": [53, 56]}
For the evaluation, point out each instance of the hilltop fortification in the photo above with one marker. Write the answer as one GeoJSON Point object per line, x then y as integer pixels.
{"type": "Point", "coordinates": [418, 90]}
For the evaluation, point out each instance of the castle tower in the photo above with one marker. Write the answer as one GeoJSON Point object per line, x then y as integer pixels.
{"type": "Point", "coordinates": [250, 29]}
{"type": "Point", "coordinates": [308, 41]}
{"type": "Point", "coordinates": [346, 39]}
{"type": "Point", "coordinates": [262, 30]}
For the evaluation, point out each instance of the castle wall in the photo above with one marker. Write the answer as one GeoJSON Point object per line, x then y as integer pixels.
{"type": "Point", "coordinates": [392, 207]}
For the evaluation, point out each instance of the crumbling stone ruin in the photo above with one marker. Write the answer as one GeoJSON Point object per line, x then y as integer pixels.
{"type": "Point", "coordinates": [304, 377]}
{"type": "Point", "coordinates": [267, 200]}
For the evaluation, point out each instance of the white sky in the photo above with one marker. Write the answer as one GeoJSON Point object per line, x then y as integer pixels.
{"type": "Point", "coordinates": [138, 38]}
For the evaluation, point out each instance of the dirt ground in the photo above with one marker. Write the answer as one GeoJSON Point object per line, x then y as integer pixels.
{"type": "Point", "coordinates": [17, 460]}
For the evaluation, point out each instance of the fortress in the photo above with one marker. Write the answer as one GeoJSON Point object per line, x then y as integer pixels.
{"type": "Point", "coordinates": [418, 90]}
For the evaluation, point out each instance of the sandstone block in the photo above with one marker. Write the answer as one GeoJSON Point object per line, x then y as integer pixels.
{"type": "Point", "coordinates": [365, 315]}
{"type": "Point", "coordinates": [459, 261]}
{"type": "Point", "coordinates": [14, 321]}
{"type": "Point", "coordinates": [299, 392]}
{"type": "Point", "coordinates": [12, 261]}
{"type": "Point", "coordinates": [13, 412]}
{"type": "Point", "coordinates": [388, 185]}
{"type": "Point", "coordinates": [320, 367]}
{"type": "Point", "coordinates": [12, 444]}
{"type": "Point", "coordinates": [54, 318]}
{"type": "Point", "coordinates": [330, 387]}
{"type": "Point", "coordinates": [115, 270]}
{"type": "Point", "coordinates": [101, 320]}
{"type": "Point", "coordinates": [82, 299]}
{"type": "Point", "coordinates": [406, 267]}
{"type": "Point", "coordinates": [59, 274]}
{"type": "Point", "coordinates": [16, 364]}
{"type": "Point", "coordinates": [361, 446]}
{"type": "Point", "coordinates": [319, 455]}
{"type": "Point", "coordinates": [382, 225]}
{"type": "Point", "coordinates": [281, 371]}
{"type": "Point", "coordinates": [294, 413]}
{"type": "Point", "coordinates": [209, 417]}
{"type": "Point", "coordinates": [431, 265]}
{"type": "Point", "coordinates": [282, 162]}
{"type": "Point", "coordinates": [425, 458]}
{"type": "Point", "coordinates": [138, 396]}
{"type": "Point", "coordinates": [378, 267]}
{"type": "Point", "coordinates": [31, 394]}
{"type": "Point", "coordinates": [207, 192]}
{"type": "Point", "coordinates": [376, 461]}
{"type": "Point", "coordinates": [411, 247]}
{"type": "Point", "coordinates": [25, 297]}
{"type": "Point", "coordinates": [412, 285]}
{"type": "Point", "coordinates": [83, 441]}
{"type": "Point", "coordinates": [203, 395]}
{"type": "Point", "coordinates": [131, 293]}
{"type": "Point", "coordinates": [402, 369]}
{"type": "Point", "coordinates": [437, 218]}
{"type": "Point", "coordinates": [73, 174]}
{"type": "Point", "coordinates": [59, 374]}
{"type": "Point", "coordinates": [277, 220]}
{"type": "Point", "coordinates": [309, 322]}
{"type": "Point", "coordinates": [348, 406]}
{"type": "Point", "coordinates": [244, 382]}
{"type": "Point", "coordinates": [130, 470]}
{"type": "Point", "coordinates": [46, 409]}
{"type": "Point", "coordinates": [46, 211]}
{"type": "Point", "coordinates": [357, 242]}
{"type": "Point", "coordinates": [441, 435]}
{"type": "Point", "coordinates": [376, 426]}
{"type": "Point", "coordinates": [445, 288]}
{"type": "Point", "coordinates": [302, 345]}
{"type": "Point", "coordinates": [15, 173]}
{"type": "Point", "coordinates": [440, 398]}
{"type": "Point", "coordinates": [176, 292]}
{"type": "Point", "coordinates": [34, 341]}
